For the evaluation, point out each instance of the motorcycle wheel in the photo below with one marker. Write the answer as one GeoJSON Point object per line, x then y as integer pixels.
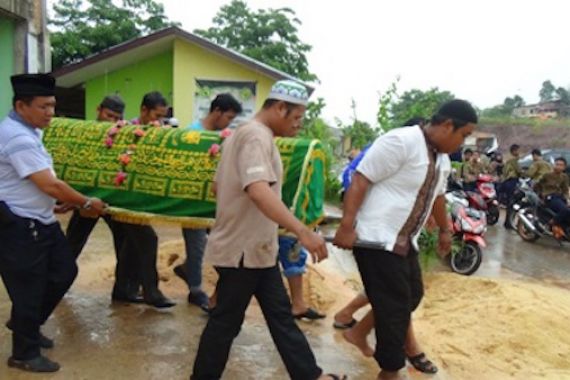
{"type": "Point", "coordinates": [467, 260]}
{"type": "Point", "coordinates": [513, 218]}
{"type": "Point", "coordinates": [493, 215]}
{"type": "Point", "coordinates": [525, 233]}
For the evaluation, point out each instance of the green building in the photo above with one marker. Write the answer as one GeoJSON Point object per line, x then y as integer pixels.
{"type": "Point", "coordinates": [24, 43]}
{"type": "Point", "coordinates": [187, 69]}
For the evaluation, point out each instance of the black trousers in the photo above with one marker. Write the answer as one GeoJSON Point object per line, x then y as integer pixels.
{"type": "Point", "coordinates": [235, 288]}
{"type": "Point", "coordinates": [136, 247]}
{"type": "Point", "coordinates": [138, 259]}
{"type": "Point", "coordinates": [37, 268]}
{"type": "Point", "coordinates": [79, 229]}
{"type": "Point", "coordinates": [558, 204]}
{"type": "Point", "coordinates": [394, 287]}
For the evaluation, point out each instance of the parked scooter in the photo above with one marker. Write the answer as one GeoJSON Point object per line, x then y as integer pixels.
{"type": "Point", "coordinates": [469, 226]}
{"type": "Point", "coordinates": [475, 200]}
{"type": "Point", "coordinates": [486, 187]}
{"type": "Point", "coordinates": [534, 219]}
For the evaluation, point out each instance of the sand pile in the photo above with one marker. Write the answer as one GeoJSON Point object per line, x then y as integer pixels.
{"type": "Point", "coordinates": [473, 328]}
{"type": "Point", "coordinates": [318, 291]}
{"type": "Point", "coordinates": [495, 329]}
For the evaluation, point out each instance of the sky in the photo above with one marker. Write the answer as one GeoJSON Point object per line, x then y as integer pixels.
{"type": "Point", "coordinates": [482, 51]}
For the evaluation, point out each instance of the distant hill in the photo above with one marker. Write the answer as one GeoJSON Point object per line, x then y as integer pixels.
{"type": "Point", "coordinates": [527, 133]}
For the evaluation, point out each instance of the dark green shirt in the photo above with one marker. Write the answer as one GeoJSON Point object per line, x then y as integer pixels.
{"type": "Point", "coordinates": [553, 183]}
{"type": "Point", "coordinates": [512, 169]}
{"type": "Point", "coordinates": [538, 169]}
{"type": "Point", "coordinates": [471, 171]}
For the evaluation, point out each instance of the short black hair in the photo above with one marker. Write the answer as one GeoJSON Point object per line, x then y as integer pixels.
{"type": "Point", "coordinates": [562, 159]}
{"type": "Point", "coordinates": [225, 102]}
{"type": "Point", "coordinates": [514, 147]}
{"type": "Point", "coordinates": [113, 103]}
{"type": "Point", "coordinates": [468, 151]}
{"type": "Point", "coordinates": [24, 98]}
{"type": "Point", "coordinates": [153, 99]}
{"type": "Point", "coordinates": [270, 102]}
{"type": "Point", "coordinates": [418, 120]}
{"type": "Point", "coordinates": [536, 152]}
{"type": "Point", "coordinates": [461, 113]}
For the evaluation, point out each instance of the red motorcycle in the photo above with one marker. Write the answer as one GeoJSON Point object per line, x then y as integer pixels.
{"type": "Point", "coordinates": [469, 226]}
{"type": "Point", "coordinates": [486, 187]}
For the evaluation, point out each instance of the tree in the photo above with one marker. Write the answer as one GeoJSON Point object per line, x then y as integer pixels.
{"type": "Point", "coordinates": [359, 132]}
{"type": "Point", "coordinates": [563, 95]}
{"type": "Point", "coordinates": [269, 36]}
{"type": "Point", "coordinates": [385, 104]}
{"type": "Point", "coordinates": [510, 104]}
{"type": "Point", "coordinates": [417, 103]}
{"type": "Point", "coordinates": [82, 28]}
{"type": "Point", "coordinates": [547, 91]}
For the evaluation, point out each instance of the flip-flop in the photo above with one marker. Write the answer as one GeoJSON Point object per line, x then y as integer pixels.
{"type": "Point", "coordinates": [345, 326]}
{"type": "Point", "coordinates": [310, 314]}
{"type": "Point", "coordinates": [337, 377]}
{"type": "Point", "coordinates": [422, 363]}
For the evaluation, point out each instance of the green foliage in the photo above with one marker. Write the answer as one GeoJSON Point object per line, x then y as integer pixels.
{"type": "Point", "coordinates": [532, 122]}
{"type": "Point", "coordinates": [385, 104]}
{"type": "Point", "coordinates": [547, 92]}
{"type": "Point", "coordinates": [359, 132]}
{"type": "Point", "coordinates": [428, 244]}
{"type": "Point", "coordinates": [505, 109]}
{"type": "Point", "coordinates": [82, 28]}
{"type": "Point", "coordinates": [269, 36]}
{"type": "Point", "coordinates": [417, 103]}
{"type": "Point", "coordinates": [563, 95]}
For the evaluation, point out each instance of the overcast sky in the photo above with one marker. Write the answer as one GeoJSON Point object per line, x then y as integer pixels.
{"type": "Point", "coordinates": [481, 50]}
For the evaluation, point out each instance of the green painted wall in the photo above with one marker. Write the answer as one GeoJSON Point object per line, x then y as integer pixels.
{"type": "Point", "coordinates": [131, 83]}
{"type": "Point", "coordinates": [7, 27]}
{"type": "Point", "coordinates": [192, 62]}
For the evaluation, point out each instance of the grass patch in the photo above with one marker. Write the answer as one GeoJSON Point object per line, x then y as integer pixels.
{"type": "Point", "coordinates": [535, 123]}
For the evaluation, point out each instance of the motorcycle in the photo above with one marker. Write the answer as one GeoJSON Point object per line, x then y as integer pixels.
{"type": "Point", "coordinates": [468, 226]}
{"type": "Point", "coordinates": [486, 187]}
{"type": "Point", "coordinates": [533, 221]}
{"type": "Point", "coordinates": [519, 200]}
{"type": "Point", "coordinates": [474, 199]}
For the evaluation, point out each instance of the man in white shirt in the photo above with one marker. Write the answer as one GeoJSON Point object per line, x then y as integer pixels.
{"type": "Point", "coordinates": [395, 187]}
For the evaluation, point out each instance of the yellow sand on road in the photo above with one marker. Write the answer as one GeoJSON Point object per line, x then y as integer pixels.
{"type": "Point", "coordinates": [478, 328]}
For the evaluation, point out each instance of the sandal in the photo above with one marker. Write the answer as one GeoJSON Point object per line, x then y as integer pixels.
{"type": "Point", "coordinates": [422, 363]}
{"type": "Point", "coordinates": [345, 326]}
{"type": "Point", "coordinates": [337, 377]}
{"type": "Point", "coordinates": [310, 314]}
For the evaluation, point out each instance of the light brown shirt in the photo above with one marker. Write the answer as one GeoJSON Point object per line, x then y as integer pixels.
{"type": "Point", "coordinates": [241, 230]}
{"type": "Point", "coordinates": [538, 169]}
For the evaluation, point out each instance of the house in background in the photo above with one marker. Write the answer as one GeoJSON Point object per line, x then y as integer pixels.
{"type": "Point", "coordinates": [24, 43]}
{"type": "Point", "coordinates": [187, 69]}
{"type": "Point", "coordinates": [545, 110]}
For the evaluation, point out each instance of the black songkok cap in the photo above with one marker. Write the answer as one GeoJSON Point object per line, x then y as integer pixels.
{"type": "Point", "coordinates": [113, 103]}
{"type": "Point", "coordinates": [33, 85]}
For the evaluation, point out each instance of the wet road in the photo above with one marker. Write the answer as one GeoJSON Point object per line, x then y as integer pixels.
{"type": "Point", "coordinates": [98, 340]}
{"type": "Point", "coordinates": [544, 259]}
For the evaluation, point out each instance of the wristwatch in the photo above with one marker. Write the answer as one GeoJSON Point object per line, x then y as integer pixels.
{"type": "Point", "coordinates": [87, 205]}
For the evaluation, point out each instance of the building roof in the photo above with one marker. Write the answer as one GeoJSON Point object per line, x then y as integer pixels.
{"type": "Point", "coordinates": [145, 47]}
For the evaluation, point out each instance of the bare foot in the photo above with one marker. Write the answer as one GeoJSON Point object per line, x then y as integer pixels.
{"type": "Point", "coordinates": [360, 342]}
{"type": "Point", "coordinates": [343, 317]}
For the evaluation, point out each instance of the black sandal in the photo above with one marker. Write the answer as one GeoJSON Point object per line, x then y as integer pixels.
{"type": "Point", "coordinates": [310, 314]}
{"type": "Point", "coordinates": [337, 377]}
{"type": "Point", "coordinates": [345, 326]}
{"type": "Point", "coordinates": [422, 363]}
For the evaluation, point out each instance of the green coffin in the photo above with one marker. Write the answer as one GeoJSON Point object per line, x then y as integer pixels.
{"type": "Point", "coordinates": [170, 173]}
